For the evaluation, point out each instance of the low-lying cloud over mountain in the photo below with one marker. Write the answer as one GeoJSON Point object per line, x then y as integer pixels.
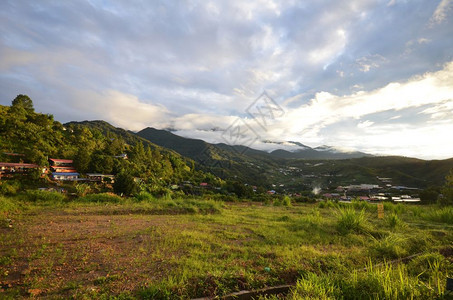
{"type": "Point", "coordinates": [374, 76]}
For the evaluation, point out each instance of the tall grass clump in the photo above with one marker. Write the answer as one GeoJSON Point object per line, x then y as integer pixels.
{"type": "Point", "coordinates": [312, 286]}
{"type": "Point", "coordinates": [101, 198]}
{"type": "Point", "coordinates": [363, 205]}
{"type": "Point", "coordinates": [393, 221]}
{"type": "Point", "coordinates": [7, 205]}
{"type": "Point", "coordinates": [375, 282]}
{"type": "Point", "coordinates": [326, 204]}
{"type": "Point", "coordinates": [45, 196]}
{"type": "Point", "coordinates": [441, 215]}
{"type": "Point", "coordinates": [390, 247]}
{"type": "Point", "coordinates": [144, 196]}
{"type": "Point", "coordinates": [350, 220]}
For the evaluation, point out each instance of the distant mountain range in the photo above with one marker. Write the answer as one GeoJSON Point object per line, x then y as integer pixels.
{"type": "Point", "coordinates": [287, 150]}
{"type": "Point", "coordinates": [292, 166]}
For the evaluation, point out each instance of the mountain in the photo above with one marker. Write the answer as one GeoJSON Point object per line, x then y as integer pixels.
{"type": "Point", "coordinates": [238, 162]}
{"type": "Point", "coordinates": [300, 166]}
{"type": "Point", "coordinates": [322, 152]}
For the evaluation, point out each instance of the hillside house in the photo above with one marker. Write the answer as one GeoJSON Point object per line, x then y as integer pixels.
{"type": "Point", "coordinates": [62, 176]}
{"type": "Point", "coordinates": [9, 169]}
{"type": "Point", "coordinates": [57, 162]}
{"type": "Point", "coordinates": [95, 177]}
{"type": "Point", "coordinates": [58, 165]}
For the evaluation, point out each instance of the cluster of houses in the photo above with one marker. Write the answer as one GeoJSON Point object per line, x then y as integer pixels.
{"type": "Point", "coordinates": [59, 170]}
{"type": "Point", "coordinates": [373, 192]}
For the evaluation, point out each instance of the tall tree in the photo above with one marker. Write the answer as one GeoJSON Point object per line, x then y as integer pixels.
{"type": "Point", "coordinates": [23, 101]}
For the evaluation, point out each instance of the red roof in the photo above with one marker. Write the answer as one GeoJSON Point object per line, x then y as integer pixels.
{"type": "Point", "coordinates": [19, 165]}
{"type": "Point", "coordinates": [68, 161]}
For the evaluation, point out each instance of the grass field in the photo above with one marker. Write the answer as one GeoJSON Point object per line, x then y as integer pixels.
{"type": "Point", "coordinates": [106, 247]}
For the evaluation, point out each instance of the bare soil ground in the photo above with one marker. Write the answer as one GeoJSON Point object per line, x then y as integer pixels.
{"type": "Point", "coordinates": [54, 252]}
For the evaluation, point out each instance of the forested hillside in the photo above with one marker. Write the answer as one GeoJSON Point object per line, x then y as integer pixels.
{"type": "Point", "coordinates": [96, 147]}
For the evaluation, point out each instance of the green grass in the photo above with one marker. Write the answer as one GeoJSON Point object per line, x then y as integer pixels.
{"type": "Point", "coordinates": [102, 246]}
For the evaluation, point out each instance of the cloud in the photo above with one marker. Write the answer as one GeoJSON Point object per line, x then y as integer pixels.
{"type": "Point", "coordinates": [198, 65]}
{"type": "Point", "coordinates": [120, 109]}
{"type": "Point", "coordinates": [441, 12]}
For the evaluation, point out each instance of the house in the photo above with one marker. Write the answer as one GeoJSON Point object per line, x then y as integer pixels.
{"type": "Point", "coordinates": [58, 165]}
{"type": "Point", "coordinates": [61, 169]}
{"type": "Point", "coordinates": [57, 162]}
{"type": "Point", "coordinates": [94, 177]}
{"type": "Point", "coordinates": [9, 169]}
{"type": "Point", "coordinates": [65, 176]}
{"type": "Point", "coordinates": [122, 156]}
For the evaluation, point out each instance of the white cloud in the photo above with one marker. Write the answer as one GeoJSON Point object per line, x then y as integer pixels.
{"type": "Point", "coordinates": [120, 109]}
{"type": "Point", "coordinates": [441, 12]}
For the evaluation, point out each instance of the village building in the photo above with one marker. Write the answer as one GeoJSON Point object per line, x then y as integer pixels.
{"type": "Point", "coordinates": [95, 177]}
{"type": "Point", "coordinates": [65, 176]}
{"type": "Point", "coordinates": [9, 169]}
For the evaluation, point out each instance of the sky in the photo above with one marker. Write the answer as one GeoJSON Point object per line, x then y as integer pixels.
{"type": "Point", "coordinates": [366, 75]}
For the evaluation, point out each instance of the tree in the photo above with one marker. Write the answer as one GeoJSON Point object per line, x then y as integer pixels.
{"type": "Point", "coordinates": [447, 190]}
{"type": "Point", "coordinates": [23, 101]}
{"type": "Point", "coordinates": [124, 184]}
{"type": "Point", "coordinates": [430, 195]}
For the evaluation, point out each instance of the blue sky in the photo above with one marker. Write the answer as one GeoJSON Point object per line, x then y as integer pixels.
{"type": "Point", "coordinates": [368, 75]}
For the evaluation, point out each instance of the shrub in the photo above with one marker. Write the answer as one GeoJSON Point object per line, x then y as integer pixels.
{"type": "Point", "coordinates": [9, 188]}
{"type": "Point", "coordinates": [144, 196]}
{"type": "Point", "coordinates": [286, 201]}
{"type": "Point", "coordinates": [349, 220]}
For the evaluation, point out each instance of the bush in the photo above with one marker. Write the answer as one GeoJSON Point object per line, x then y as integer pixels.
{"type": "Point", "coordinates": [9, 188]}
{"type": "Point", "coordinates": [349, 220]}
{"type": "Point", "coordinates": [286, 201]}
{"type": "Point", "coordinates": [144, 196]}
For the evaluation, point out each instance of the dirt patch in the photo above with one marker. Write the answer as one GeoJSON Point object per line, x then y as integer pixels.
{"type": "Point", "coordinates": [54, 253]}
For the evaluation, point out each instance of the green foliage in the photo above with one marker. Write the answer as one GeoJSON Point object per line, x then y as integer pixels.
{"type": "Point", "coordinates": [101, 198]}
{"type": "Point", "coordinates": [349, 220]}
{"type": "Point", "coordinates": [429, 195]}
{"type": "Point", "coordinates": [45, 196]}
{"type": "Point", "coordinates": [441, 215]}
{"type": "Point", "coordinates": [393, 221]}
{"type": "Point", "coordinates": [376, 282]}
{"type": "Point", "coordinates": [7, 205]}
{"type": "Point", "coordinates": [23, 101]}
{"type": "Point", "coordinates": [124, 184]}
{"type": "Point", "coordinates": [390, 247]}
{"type": "Point", "coordinates": [9, 188]}
{"type": "Point", "coordinates": [447, 191]}
{"type": "Point", "coordinates": [82, 189]}
{"type": "Point", "coordinates": [312, 286]}
{"type": "Point", "coordinates": [144, 196]}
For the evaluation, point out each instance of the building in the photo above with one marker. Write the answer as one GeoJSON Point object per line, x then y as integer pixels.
{"type": "Point", "coordinates": [65, 176]}
{"type": "Point", "coordinates": [58, 165]}
{"type": "Point", "coordinates": [9, 169]}
{"type": "Point", "coordinates": [95, 177]}
{"type": "Point", "coordinates": [57, 162]}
